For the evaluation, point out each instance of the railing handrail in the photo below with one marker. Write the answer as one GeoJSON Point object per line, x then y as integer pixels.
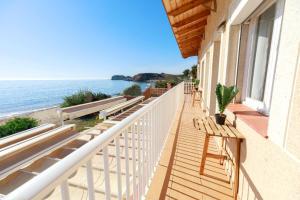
{"type": "Point", "coordinates": [45, 182]}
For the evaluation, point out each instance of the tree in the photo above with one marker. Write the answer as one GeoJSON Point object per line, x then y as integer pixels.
{"type": "Point", "coordinates": [186, 72]}
{"type": "Point", "coordinates": [194, 71]}
{"type": "Point", "coordinates": [134, 90]}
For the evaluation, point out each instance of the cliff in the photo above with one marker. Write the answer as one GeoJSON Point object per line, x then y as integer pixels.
{"type": "Point", "coordinates": [121, 77]}
{"type": "Point", "coordinates": [145, 77]}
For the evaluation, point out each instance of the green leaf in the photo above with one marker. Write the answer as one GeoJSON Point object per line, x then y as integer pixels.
{"type": "Point", "coordinates": [225, 95]}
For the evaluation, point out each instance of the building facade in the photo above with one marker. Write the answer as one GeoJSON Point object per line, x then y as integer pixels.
{"type": "Point", "coordinates": [255, 45]}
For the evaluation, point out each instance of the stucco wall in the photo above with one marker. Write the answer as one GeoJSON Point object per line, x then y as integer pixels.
{"type": "Point", "coordinates": [268, 170]}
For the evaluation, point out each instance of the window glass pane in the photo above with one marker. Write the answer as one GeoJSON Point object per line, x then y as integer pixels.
{"type": "Point", "coordinates": [262, 50]}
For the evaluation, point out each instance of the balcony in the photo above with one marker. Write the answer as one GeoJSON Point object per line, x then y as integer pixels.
{"type": "Point", "coordinates": [180, 162]}
{"type": "Point", "coordinates": [154, 154]}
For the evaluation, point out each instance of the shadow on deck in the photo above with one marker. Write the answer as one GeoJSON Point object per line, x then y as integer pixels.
{"type": "Point", "coordinates": [177, 176]}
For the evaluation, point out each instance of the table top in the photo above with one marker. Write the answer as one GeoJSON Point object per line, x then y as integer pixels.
{"type": "Point", "coordinates": [209, 126]}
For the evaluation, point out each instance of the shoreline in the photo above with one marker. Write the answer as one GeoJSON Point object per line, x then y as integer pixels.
{"type": "Point", "coordinates": [25, 110]}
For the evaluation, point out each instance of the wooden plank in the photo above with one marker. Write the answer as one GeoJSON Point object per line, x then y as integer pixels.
{"type": "Point", "coordinates": [201, 126]}
{"type": "Point", "coordinates": [186, 55]}
{"type": "Point", "coordinates": [192, 18]}
{"type": "Point", "coordinates": [195, 31]}
{"type": "Point", "coordinates": [208, 128]}
{"type": "Point", "coordinates": [189, 45]}
{"type": "Point", "coordinates": [229, 132]}
{"type": "Point", "coordinates": [187, 6]}
{"type": "Point", "coordinates": [220, 128]}
{"type": "Point", "coordinates": [190, 36]}
{"type": "Point", "coordinates": [196, 39]}
{"type": "Point", "coordinates": [236, 132]}
{"type": "Point", "coordinates": [200, 25]}
{"type": "Point", "coordinates": [214, 128]}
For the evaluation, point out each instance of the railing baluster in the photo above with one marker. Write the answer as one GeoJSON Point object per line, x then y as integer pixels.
{"type": "Point", "coordinates": [145, 176]}
{"type": "Point", "coordinates": [65, 193]}
{"type": "Point", "coordinates": [139, 159]}
{"type": "Point", "coordinates": [133, 131]}
{"type": "Point", "coordinates": [148, 149]}
{"type": "Point", "coordinates": [143, 155]}
{"type": "Point", "coordinates": [119, 175]}
{"type": "Point", "coordinates": [152, 142]}
{"type": "Point", "coordinates": [90, 180]}
{"type": "Point", "coordinates": [106, 174]}
{"type": "Point", "coordinates": [156, 133]}
{"type": "Point", "coordinates": [127, 166]}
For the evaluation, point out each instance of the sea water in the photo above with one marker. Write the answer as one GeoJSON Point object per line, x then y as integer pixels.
{"type": "Point", "coordinates": [19, 96]}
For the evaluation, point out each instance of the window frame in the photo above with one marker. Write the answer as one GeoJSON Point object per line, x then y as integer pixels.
{"type": "Point", "coordinates": [262, 106]}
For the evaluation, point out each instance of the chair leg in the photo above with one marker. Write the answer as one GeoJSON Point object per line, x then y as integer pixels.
{"type": "Point", "coordinates": [204, 155]}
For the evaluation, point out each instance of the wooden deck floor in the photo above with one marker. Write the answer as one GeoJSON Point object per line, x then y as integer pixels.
{"type": "Point", "coordinates": [180, 164]}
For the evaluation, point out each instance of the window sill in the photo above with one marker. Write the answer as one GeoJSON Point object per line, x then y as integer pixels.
{"type": "Point", "coordinates": [255, 120]}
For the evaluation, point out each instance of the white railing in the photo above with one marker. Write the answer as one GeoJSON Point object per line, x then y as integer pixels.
{"type": "Point", "coordinates": [140, 138]}
{"type": "Point", "coordinates": [188, 87]}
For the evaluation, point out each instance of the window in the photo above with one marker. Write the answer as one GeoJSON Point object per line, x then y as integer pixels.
{"type": "Point", "coordinates": [263, 39]}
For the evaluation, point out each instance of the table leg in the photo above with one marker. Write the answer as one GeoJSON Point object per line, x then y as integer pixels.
{"type": "Point", "coordinates": [237, 168]}
{"type": "Point", "coordinates": [193, 96]}
{"type": "Point", "coordinates": [205, 148]}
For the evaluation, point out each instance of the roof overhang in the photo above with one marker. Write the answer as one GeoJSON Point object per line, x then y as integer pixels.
{"type": "Point", "coordinates": [188, 19]}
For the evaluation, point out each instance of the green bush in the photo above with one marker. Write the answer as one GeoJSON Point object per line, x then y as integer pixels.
{"type": "Point", "coordinates": [196, 82]}
{"type": "Point", "coordinates": [83, 96]}
{"type": "Point", "coordinates": [17, 125]}
{"type": "Point", "coordinates": [161, 84]}
{"type": "Point", "coordinates": [164, 83]}
{"type": "Point", "coordinates": [134, 90]}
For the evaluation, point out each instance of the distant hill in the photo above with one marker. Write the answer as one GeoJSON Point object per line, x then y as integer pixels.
{"type": "Point", "coordinates": [121, 77]}
{"type": "Point", "coordinates": [145, 77]}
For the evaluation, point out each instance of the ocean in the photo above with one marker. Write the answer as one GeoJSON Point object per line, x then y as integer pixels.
{"type": "Point", "coordinates": [19, 96]}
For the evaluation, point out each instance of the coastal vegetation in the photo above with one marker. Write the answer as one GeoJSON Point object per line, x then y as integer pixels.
{"type": "Point", "coordinates": [83, 96]}
{"type": "Point", "coordinates": [85, 122]}
{"type": "Point", "coordinates": [17, 125]}
{"type": "Point", "coordinates": [134, 90]}
{"type": "Point", "coordinates": [164, 83]}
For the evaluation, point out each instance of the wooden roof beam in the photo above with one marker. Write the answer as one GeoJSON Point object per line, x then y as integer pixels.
{"type": "Point", "coordinates": [199, 25]}
{"type": "Point", "coordinates": [198, 32]}
{"type": "Point", "coordinates": [196, 38]}
{"type": "Point", "coordinates": [189, 48]}
{"type": "Point", "coordinates": [192, 46]}
{"type": "Point", "coordinates": [193, 41]}
{"type": "Point", "coordinates": [187, 6]}
{"type": "Point", "coordinates": [189, 54]}
{"type": "Point", "coordinates": [191, 18]}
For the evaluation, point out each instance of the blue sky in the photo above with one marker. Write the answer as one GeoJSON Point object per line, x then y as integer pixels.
{"type": "Point", "coordinates": [55, 39]}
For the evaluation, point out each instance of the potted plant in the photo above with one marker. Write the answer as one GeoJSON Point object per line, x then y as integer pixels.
{"type": "Point", "coordinates": [224, 97]}
{"type": "Point", "coordinates": [196, 83]}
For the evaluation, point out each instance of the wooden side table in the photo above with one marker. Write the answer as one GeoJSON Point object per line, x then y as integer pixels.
{"type": "Point", "coordinates": [210, 128]}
